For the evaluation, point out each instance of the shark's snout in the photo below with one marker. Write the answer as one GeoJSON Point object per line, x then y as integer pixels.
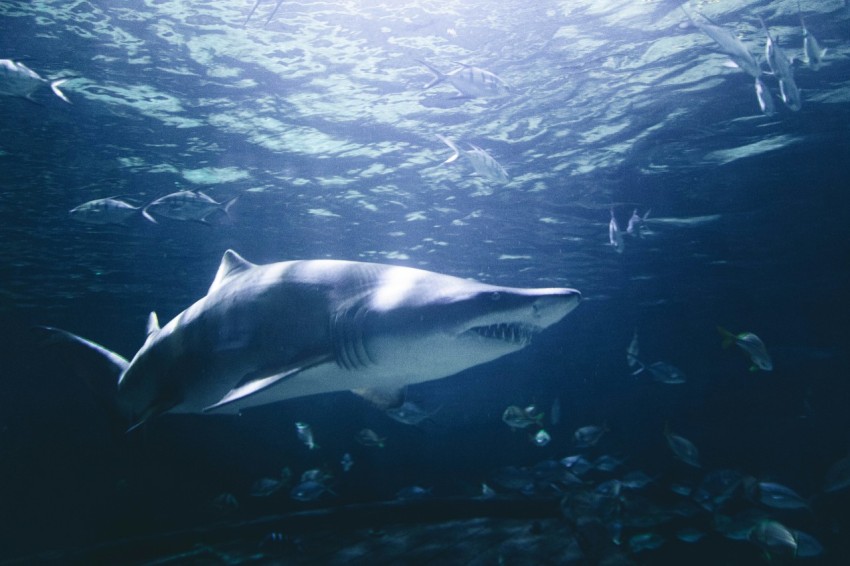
{"type": "Point", "coordinates": [554, 304]}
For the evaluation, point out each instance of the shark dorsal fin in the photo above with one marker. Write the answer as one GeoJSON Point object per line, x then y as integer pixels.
{"type": "Point", "coordinates": [153, 323]}
{"type": "Point", "coordinates": [231, 264]}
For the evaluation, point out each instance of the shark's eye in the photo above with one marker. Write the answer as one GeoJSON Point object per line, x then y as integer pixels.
{"type": "Point", "coordinates": [495, 296]}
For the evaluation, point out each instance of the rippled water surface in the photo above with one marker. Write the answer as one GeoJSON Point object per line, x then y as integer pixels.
{"type": "Point", "coordinates": [317, 119]}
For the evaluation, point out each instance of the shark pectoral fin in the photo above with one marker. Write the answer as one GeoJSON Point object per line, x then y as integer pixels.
{"type": "Point", "coordinates": [262, 383]}
{"type": "Point", "coordinates": [382, 397]}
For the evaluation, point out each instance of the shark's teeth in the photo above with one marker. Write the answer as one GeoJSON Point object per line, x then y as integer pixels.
{"type": "Point", "coordinates": [506, 332]}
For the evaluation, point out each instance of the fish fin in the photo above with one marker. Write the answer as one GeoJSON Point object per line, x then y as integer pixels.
{"type": "Point", "coordinates": [452, 146]}
{"type": "Point", "coordinates": [153, 323]}
{"type": "Point", "coordinates": [640, 369]}
{"type": "Point", "coordinates": [54, 86]}
{"type": "Point", "coordinates": [148, 216]}
{"type": "Point", "coordinates": [262, 383]}
{"type": "Point", "coordinates": [228, 204]}
{"type": "Point", "coordinates": [231, 264]}
{"type": "Point", "coordinates": [96, 366]}
{"type": "Point", "coordinates": [728, 337]}
{"type": "Point", "coordinates": [279, 2]}
{"type": "Point", "coordinates": [251, 13]}
{"type": "Point", "coordinates": [439, 76]}
{"type": "Point", "coordinates": [382, 397]}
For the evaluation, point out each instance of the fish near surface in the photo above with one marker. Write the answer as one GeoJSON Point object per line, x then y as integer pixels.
{"type": "Point", "coordinates": [813, 54]}
{"type": "Point", "coordinates": [187, 205]}
{"type": "Point", "coordinates": [104, 211]}
{"type": "Point", "coordinates": [483, 163]}
{"type": "Point", "coordinates": [470, 82]}
{"type": "Point", "coordinates": [752, 345]}
{"type": "Point", "coordinates": [16, 79]}
{"type": "Point", "coordinates": [780, 65]}
{"type": "Point", "coordinates": [738, 53]}
{"type": "Point", "coordinates": [265, 333]}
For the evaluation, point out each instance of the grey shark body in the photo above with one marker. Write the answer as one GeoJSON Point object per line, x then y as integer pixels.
{"type": "Point", "coordinates": [265, 333]}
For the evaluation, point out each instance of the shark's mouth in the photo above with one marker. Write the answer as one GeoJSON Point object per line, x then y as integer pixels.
{"type": "Point", "coordinates": [510, 332]}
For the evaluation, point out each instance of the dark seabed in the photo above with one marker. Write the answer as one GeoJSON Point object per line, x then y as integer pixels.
{"type": "Point", "coordinates": [315, 117]}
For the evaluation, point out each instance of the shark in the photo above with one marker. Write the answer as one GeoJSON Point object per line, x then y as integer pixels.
{"type": "Point", "coordinates": [265, 333]}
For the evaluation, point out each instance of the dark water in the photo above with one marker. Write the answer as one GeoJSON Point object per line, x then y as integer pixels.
{"type": "Point", "coordinates": [318, 122]}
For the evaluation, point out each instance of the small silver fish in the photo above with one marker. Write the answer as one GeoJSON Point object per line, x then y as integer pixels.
{"type": "Point", "coordinates": [636, 221]}
{"type": "Point", "coordinates": [515, 417]}
{"type": "Point", "coordinates": [104, 211]}
{"type": "Point", "coordinates": [470, 82]}
{"type": "Point", "coordinates": [587, 436]}
{"type": "Point", "coordinates": [368, 437]}
{"type": "Point", "coordinates": [413, 492]}
{"type": "Point", "coordinates": [775, 539]}
{"type": "Point", "coordinates": [409, 413]}
{"type": "Point", "coordinates": [542, 438]}
{"type": "Point", "coordinates": [483, 163]}
{"type": "Point", "coordinates": [347, 462]}
{"type": "Point", "coordinates": [186, 205]}
{"type": "Point", "coordinates": [776, 495]}
{"type": "Point", "coordinates": [16, 79]}
{"type": "Point", "coordinates": [318, 475]}
{"type": "Point", "coordinates": [780, 64]}
{"type": "Point", "coordinates": [645, 541]}
{"type": "Point", "coordinates": [813, 54]}
{"type": "Point", "coordinates": [752, 345]}
{"type": "Point", "coordinates": [663, 372]}
{"type": "Point", "coordinates": [555, 412]}
{"type": "Point", "coordinates": [632, 353]}
{"type": "Point", "coordinates": [765, 99]}
{"type": "Point", "coordinates": [264, 487]}
{"type": "Point", "coordinates": [309, 490]}
{"type": "Point", "coordinates": [305, 435]}
{"type": "Point", "coordinates": [683, 448]}
{"type": "Point", "coordinates": [740, 56]}
{"type": "Point", "coordinates": [615, 237]}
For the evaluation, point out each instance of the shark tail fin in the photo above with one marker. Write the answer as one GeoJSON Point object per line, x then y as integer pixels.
{"type": "Point", "coordinates": [728, 337]}
{"type": "Point", "coordinates": [93, 364]}
{"type": "Point", "coordinates": [228, 204]}
{"type": "Point", "coordinates": [439, 76]}
{"type": "Point", "coordinates": [452, 146]}
{"type": "Point", "coordinates": [54, 86]}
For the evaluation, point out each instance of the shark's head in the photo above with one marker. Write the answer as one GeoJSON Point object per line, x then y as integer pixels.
{"type": "Point", "coordinates": [425, 325]}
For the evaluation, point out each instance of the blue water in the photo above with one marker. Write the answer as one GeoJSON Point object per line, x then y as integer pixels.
{"type": "Point", "coordinates": [319, 123]}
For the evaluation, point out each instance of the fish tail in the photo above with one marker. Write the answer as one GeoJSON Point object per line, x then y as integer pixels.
{"type": "Point", "coordinates": [728, 337]}
{"type": "Point", "coordinates": [148, 216]}
{"type": "Point", "coordinates": [228, 204]}
{"type": "Point", "coordinates": [640, 369]}
{"type": "Point", "coordinates": [452, 146]}
{"type": "Point", "coordinates": [439, 76]}
{"type": "Point", "coordinates": [54, 86]}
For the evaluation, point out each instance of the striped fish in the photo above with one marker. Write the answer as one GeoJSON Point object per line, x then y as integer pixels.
{"type": "Point", "coordinates": [471, 82]}
{"type": "Point", "coordinates": [481, 161]}
{"type": "Point", "coordinates": [16, 79]}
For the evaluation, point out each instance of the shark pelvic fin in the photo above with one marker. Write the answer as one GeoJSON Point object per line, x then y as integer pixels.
{"type": "Point", "coordinates": [259, 384]}
{"type": "Point", "coordinates": [231, 264]}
